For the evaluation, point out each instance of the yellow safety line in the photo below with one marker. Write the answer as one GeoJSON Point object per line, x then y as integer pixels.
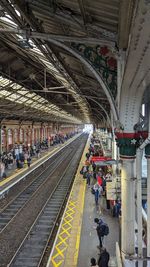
{"type": "Point", "coordinates": [71, 225]}
{"type": "Point", "coordinates": [79, 228]}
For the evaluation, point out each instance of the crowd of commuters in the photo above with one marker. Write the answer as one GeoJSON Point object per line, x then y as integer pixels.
{"type": "Point", "coordinates": [96, 177]}
{"type": "Point", "coordinates": [93, 172]}
{"type": "Point", "coordinates": [22, 155]}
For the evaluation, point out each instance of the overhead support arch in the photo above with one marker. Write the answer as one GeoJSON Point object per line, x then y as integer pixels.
{"type": "Point", "coordinates": [95, 101]}
{"type": "Point", "coordinates": [102, 118]}
{"type": "Point", "coordinates": [97, 75]}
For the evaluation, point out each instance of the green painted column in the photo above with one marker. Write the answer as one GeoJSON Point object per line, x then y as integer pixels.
{"type": "Point", "coordinates": [127, 150]}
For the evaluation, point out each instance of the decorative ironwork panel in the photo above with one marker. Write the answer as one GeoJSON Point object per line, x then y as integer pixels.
{"type": "Point", "coordinates": [102, 59]}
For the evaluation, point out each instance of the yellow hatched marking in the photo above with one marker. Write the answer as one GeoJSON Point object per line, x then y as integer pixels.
{"type": "Point", "coordinates": [63, 238]}
{"type": "Point", "coordinates": [56, 264]}
{"type": "Point", "coordinates": [79, 228]}
{"type": "Point", "coordinates": [63, 241]}
{"type": "Point", "coordinates": [58, 258]}
{"type": "Point", "coordinates": [59, 252]}
{"type": "Point", "coordinates": [64, 235]}
{"type": "Point", "coordinates": [65, 232]}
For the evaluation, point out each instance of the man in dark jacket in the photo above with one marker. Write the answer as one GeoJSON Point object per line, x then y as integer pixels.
{"type": "Point", "coordinates": [103, 258]}
{"type": "Point", "coordinates": [100, 232]}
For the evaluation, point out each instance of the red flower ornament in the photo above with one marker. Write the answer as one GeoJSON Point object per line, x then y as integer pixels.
{"type": "Point", "coordinates": [112, 62]}
{"type": "Point", "coordinates": [104, 50]}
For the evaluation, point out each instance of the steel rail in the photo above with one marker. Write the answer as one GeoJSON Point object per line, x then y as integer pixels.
{"type": "Point", "coordinates": [22, 199]}
{"type": "Point", "coordinates": [35, 241]}
{"type": "Point", "coordinates": [6, 190]}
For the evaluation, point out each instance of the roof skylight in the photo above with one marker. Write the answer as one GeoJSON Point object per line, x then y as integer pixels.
{"type": "Point", "coordinates": [23, 96]}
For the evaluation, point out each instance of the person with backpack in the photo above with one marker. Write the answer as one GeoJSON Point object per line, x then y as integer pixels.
{"type": "Point", "coordinates": [102, 230]}
{"type": "Point", "coordinates": [103, 258]}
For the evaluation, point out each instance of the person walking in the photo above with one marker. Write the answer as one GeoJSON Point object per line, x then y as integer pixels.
{"type": "Point", "coordinates": [103, 258]}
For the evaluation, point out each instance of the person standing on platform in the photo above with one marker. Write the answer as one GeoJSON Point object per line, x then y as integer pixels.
{"type": "Point", "coordinates": [38, 152]}
{"type": "Point", "coordinates": [17, 153]}
{"type": "Point", "coordinates": [102, 230]}
{"type": "Point", "coordinates": [25, 157]}
{"type": "Point", "coordinates": [104, 258]}
{"type": "Point", "coordinates": [97, 192]}
{"type": "Point", "coordinates": [20, 151]}
{"type": "Point", "coordinates": [93, 262]}
{"type": "Point", "coordinates": [99, 232]}
{"type": "Point", "coordinates": [94, 170]}
{"type": "Point", "coordinates": [29, 161]}
{"type": "Point", "coordinates": [87, 156]}
{"type": "Point", "coordinates": [2, 169]}
{"type": "Point", "coordinates": [84, 170]}
{"type": "Point", "coordinates": [99, 180]}
{"type": "Point", "coordinates": [94, 167]}
{"type": "Point", "coordinates": [88, 178]}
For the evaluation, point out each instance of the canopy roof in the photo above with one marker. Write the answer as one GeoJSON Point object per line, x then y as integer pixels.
{"type": "Point", "coordinates": [33, 66]}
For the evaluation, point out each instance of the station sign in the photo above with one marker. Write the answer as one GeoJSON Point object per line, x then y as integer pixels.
{"type": "Point", "coordinates": [113, 190]}
{"type": "Point", "coordinates": [103, 161]}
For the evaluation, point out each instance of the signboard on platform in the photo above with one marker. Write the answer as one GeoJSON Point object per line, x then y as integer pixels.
{"type": "Point", "coordinates": [103, 161]}
{"type": "Point", "coordinates": [112, 190]}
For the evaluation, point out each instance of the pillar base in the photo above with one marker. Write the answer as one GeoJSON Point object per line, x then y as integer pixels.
{"type": "Point", "coordinates": [128, 207]}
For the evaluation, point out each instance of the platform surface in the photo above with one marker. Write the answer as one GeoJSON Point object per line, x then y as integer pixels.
{"type": "Point", "coordinates": [14, 175]}
{"type": "Point", "coordinates": [76, 241]}
{"type": "Point", "coordinates": [89, 239]}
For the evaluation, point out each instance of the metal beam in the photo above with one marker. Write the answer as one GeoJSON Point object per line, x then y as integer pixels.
{"type": "Point", "coordinates": [33, 23]}
{"type": "Point", "coordinates": [125, 17]}
{"type": "Point", "coordinates": [62, 38]}
{"type": "Point", "coordinates": [82, 10]}
{"type": "Point", "coordinates": [76, 21]}
{"type": "Point", "coordinates": [102, 116]}
{"type": "Point", "coordinates": [11, 11]}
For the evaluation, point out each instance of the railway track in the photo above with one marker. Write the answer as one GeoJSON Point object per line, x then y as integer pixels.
{"type": "Point", "coordinates": [32, 220]}
{"type": "Point", "coordinates": [11, 193]}
{"type": "Point", "coordinates": [11, 209]}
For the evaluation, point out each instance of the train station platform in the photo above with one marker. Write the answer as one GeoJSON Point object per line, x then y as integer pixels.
{"type": "Point", "coordinates": [76, 241]}
{"type": "Point", "coordinates": [15, 175]}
